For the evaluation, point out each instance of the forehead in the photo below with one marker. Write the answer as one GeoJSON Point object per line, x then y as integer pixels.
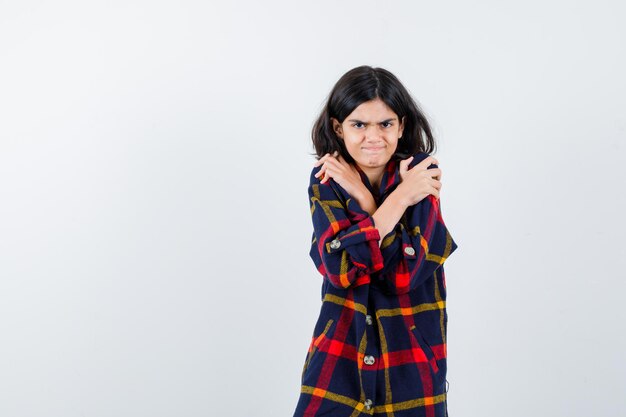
{"type": "Point", "coordinates": [372, 110]}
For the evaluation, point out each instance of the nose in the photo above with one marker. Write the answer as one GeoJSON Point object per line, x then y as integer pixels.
{"type": "Point", "coordinates": [374, 133]}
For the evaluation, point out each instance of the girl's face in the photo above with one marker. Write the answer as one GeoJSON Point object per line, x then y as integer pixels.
{"type": "Point", "coordinates": [370, 133]}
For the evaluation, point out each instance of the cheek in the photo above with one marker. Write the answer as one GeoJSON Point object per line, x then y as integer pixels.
{"type": "Point", "coordinates": [352, 148]}
{"type": "Point", "coordinates": [352, 134]}
{"type": "Point", "coordinates": [395, 132]}
{"type": "Point", "coordinates": [352, 141]}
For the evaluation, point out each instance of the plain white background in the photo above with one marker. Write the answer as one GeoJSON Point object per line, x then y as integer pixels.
{"type": "Point", "coordinates": [154, 220]}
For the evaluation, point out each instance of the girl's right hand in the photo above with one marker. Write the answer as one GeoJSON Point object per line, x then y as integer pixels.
{"type": "Point", "coordinates": [419, 181]}
{"type": "Point", "coordinates": [343, 173]}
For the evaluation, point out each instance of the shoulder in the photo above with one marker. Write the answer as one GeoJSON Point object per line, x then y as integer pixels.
{"type": "Point", "coordinates": [419, 157]}
{"type": "Point", "coordinates": [312, 178]}
{"type": "Point", "coordinates": [314, 170]}
{"type": "Point", "coordinates": [325, 190]}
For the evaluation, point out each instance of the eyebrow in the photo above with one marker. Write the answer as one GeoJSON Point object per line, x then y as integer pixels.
{"type": "Point", "coordinates": [384, 121]}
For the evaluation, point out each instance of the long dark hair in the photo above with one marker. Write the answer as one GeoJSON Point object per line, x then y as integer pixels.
{"type": "Point", "coordinates": [366, 83]}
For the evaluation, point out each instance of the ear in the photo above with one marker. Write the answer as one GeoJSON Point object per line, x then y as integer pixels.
{"type": "Point", "coordinates": [337, 127]}
{"type": "Point", "coordinates": [401, 127]}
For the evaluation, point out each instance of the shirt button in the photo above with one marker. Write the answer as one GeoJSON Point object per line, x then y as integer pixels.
{"type": "Point", "coordinates": [409, 251]}
{"type": "Point", "coordinates": [369, 360]}
{"type": "Point", "coordinates": [368, 404]}
{"type": "Point", "coordinates": [368, 320]}
{"type": "Point", "coordinates": [335, 244]}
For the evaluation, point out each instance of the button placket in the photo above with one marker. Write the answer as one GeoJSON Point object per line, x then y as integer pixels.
{"type": "Point", "coordinates": [370, 354]}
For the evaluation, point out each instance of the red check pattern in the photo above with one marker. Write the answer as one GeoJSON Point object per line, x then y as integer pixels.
{"type": "Point", "coordinates": [379, 345]}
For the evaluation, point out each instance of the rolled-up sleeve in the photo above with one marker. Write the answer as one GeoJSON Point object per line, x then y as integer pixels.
{"type": "Point", "coordinates": [421, 243]}
{"type": "Point", "coordinates": [426, 243]}
{"type": "Point", "coordinates": [344, 245]}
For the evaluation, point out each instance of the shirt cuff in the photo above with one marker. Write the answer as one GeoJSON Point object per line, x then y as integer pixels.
{"type": "Point", "coordinates": [361, 242]}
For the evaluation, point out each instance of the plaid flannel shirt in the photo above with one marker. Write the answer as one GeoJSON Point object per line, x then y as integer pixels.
{"type": "Point", "coordinates": [379, 345]}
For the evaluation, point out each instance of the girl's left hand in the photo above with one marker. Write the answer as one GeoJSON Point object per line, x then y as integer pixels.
{"type": "Point", "coordinates": [344, 174]}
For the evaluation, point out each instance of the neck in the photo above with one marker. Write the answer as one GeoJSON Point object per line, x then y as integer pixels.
{"type": "Point", "coordinates": [374, 175]}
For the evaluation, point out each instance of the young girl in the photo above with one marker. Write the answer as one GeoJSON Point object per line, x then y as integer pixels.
{"type": "Point", "coordinates": [379, 241]}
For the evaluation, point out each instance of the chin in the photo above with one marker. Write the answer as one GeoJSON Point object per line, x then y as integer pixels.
{"type": "Point", "coordinates": [374, 161]}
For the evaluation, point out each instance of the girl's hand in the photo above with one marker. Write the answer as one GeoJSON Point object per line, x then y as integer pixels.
{"type": "Point", "coordinates": [419, 181]}
{"type": "Point", "coordinates": [344, 174]}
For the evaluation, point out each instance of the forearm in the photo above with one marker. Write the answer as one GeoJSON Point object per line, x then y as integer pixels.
{"type": "Point", "coordinates": [345, 250]}
{"type": "Point", "coordinates": [387, 216]}
{"type": "Point", "coordinates": [366, 202]}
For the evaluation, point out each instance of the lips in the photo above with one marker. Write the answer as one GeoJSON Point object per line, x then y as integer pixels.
{"type": "Point", "coordinates": [373, 148]}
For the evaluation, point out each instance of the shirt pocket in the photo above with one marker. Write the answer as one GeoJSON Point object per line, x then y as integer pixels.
{"type": "Point", "coordinates": [314, 346]}
{"type": "Point", "coordinates": [425, 346]}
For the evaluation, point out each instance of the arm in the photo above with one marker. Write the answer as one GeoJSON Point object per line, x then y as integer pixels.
{"type": "Point", "coordinates": [418, 245]}
{"type": "Point", "coordinates": [431, 243]}
{"type": "Point", "coordinates": [345, 244]}
{"type": "Point", "coordinates": [387, 216]}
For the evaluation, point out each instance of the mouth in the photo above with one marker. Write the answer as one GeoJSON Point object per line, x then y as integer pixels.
{"type": "Point", "coordinates": [373, 148]}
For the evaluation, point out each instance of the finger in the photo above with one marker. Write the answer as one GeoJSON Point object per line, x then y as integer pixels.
{"type": "Point", "coordinates": [321, 160]}
{"type": "Point", "coordinates": [320, 172]}
{"type": "Point", "coordinates": [429, 160]}
{"type": "Point", "coordinates": [345, 163]}
{"type": "Point", "coordinates": [404, 164]}
{"type": "Point", "coordinates": [327, 176]}
{"type": "Point", "coordinates": [332, 162]}
{"type": "Point", "coordinates": [434, 172]}
{"type": "Point", "coordinates": [435, 192]}
{"type": "Point", "coordinates": [330, 157]}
